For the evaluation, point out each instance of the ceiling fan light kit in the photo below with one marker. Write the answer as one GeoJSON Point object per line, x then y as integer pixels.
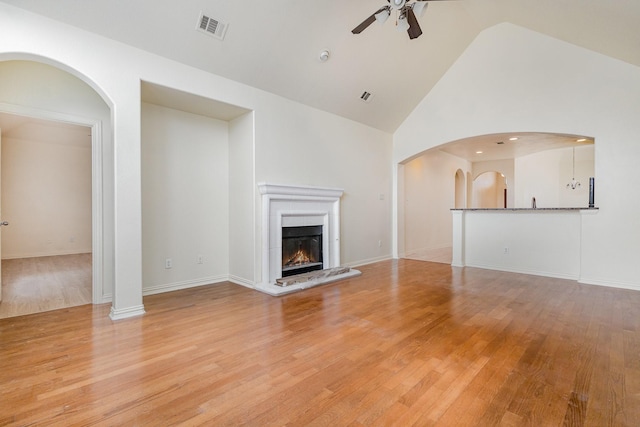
{"type": "Point", "coordinates": [382, 16]}
{"type": "Point", "coordinates": [324, 56]}
{"type": "Point", "coordinates": [406, 20]}
{"type": "Point", "coordinates": [397, 4]}
{"type": "Point", "coordinates": [402, 24]}
{"type": "Point", "coordinates": [419, 8]}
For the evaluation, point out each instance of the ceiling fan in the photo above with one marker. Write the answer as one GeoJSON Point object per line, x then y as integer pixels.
{"type": "Point", "coordinates": [406, 21]}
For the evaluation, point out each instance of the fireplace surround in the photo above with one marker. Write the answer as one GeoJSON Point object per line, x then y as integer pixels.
{"type": "Point", "coordinates": [285, 206]}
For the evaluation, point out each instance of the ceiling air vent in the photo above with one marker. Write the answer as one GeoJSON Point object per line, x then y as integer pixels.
{"type": "Point", "coordinates": [211, 26]}
{"type": "Point", "coordinates": [366, 96]}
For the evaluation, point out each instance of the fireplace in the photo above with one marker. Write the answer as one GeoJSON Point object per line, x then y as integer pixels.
{"type": "Point", "coordinates": [301, 249]}
{"type": "Point", "coordinates": [315, 212]}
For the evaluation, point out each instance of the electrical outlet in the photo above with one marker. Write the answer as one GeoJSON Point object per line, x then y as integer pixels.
{"type": "Point", "coordinates": [379, 243]}
{"type": "Point", "coordinates": [168, 263]}
{"type": "Point", "coordinates": [506, 251]}
{"type": "Point", "coordinates": [199, 259]}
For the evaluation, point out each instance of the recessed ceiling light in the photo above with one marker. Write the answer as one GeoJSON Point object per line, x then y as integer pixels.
{"type": "Point", "coordinates": [478, 152]}
{"type": "Point", "coordinates": [514, 138]}
{"type": "Point", "coordinates": [582, 139]}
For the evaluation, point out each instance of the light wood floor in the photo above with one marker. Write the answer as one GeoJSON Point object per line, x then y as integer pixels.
{"type": "Point", "coordinates": [33, 285]}
{"type": "Point", "coordinates": [443, 255]}
{"type": "Point", "coordinates": [406, 343]}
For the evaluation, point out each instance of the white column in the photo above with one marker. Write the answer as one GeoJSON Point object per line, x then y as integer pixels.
{"type": "Point", "coordinates": [127, 287]}
{"type": "Point", "coordinates": [458, 238]}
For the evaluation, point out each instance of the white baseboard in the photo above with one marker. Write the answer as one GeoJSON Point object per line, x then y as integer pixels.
{"type": "Point", "coordinates": [367, 261]}
{"type": "Point", "coordinates": [583, 280]}
{"type": "Point", "coordinates": [412, 252]}
{"type": "Point", "coordinates": [609, 283]}
{"type": "Point", "coordinates": [242, 282]}
{"type": "Point", "coordinates": [552, 274]}
{"type": "Point", "coordinates": [158, 289]}
{"type": "Point", "coordinates": [176, 286]}
{"type": "Point", "coordinates": [106, 298]}
{"type": "Point", "coordinates": [126, 313]}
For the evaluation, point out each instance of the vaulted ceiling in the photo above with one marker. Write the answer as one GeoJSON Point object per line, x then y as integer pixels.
{"type": "Point", "coordinates": [274, 45]}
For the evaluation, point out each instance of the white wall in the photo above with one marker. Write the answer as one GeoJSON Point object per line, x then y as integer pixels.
{"type": "Point", "coordinates": [46, 191]}
{"type": "Point", "coordinates": [297, 145]}
{"type": "Point", "coordinates": [429, 194]}
{"type": "Point", "coordinates": [185, 193]}
{"type": "Point", "coordinates": [548, 184]}
{"type": "Point", "coordinates": [513, 79]}
{"type": "Point", "coordinates": [544, 243]}
{"type": "Point", "coordinates": [334, 151]}
{"type": "Point", "coordinates": [243, 256]}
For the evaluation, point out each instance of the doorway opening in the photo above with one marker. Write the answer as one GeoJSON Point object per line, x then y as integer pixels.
{"type": "Point", "coordinates": [511, 171]}
{"type": "Point", "coordinates": [489, 191]}
{"type": "Point", "coordinates": [43, 89]}
{"type": "Point", "coordinates": [46, 198]}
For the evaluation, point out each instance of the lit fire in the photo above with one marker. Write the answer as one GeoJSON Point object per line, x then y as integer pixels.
{"type": "Point", "coordinates": [299, 258]}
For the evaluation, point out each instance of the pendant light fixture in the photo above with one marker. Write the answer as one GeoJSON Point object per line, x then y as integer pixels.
{"type": "Point", "coordinates": [573, 184]}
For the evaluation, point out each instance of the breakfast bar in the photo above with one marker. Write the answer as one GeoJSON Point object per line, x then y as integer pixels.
{"type": "Point", "coordinates": [543, 241]}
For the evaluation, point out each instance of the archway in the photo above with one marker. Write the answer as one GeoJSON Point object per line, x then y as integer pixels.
{"type": "Point", "coordinates": [489, 191]}
{"type": "Point", "coordinates": [67, 97]}
{"type": "Point", "coordinates": [433, 181]}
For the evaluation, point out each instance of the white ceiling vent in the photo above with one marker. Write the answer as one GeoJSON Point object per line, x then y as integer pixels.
{"type": "Point", "coordinates": [366, 96]}
{"type": "Point", "coordinates": [211, 26]}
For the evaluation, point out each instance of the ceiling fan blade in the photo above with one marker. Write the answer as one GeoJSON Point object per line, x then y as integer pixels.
{"type": "Point", "coordinates": [414, 30]}
{"type": "Point", "coordinates": [370, 20]}
{"type": "Point", "coordinates": [360, 28]}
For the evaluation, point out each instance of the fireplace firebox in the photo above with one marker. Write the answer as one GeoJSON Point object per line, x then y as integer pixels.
{"type": "Point", "coordinates": [301, 249]}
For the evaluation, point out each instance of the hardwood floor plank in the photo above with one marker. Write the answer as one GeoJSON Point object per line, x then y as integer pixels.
{"type": "Point", "coordinates": [34, 285]}
{"type": "Point", "coordinates": [405, 343]}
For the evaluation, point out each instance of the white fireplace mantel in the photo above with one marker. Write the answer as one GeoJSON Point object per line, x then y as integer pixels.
{"type": "Point", "coordinates": [282, 191]}
{"type": "Point", "coordinates": [288, 206]}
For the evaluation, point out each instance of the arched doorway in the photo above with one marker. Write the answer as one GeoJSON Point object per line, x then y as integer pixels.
{"type": "Point", "coordinates": [489, 190]}
{"type": "Point", "coordinates": [429, 184]}
{"type": "Point", "coordinates": [52, 95]}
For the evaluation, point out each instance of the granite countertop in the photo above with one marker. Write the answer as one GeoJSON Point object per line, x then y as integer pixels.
{"type": "Point", "coordinates": [527, 209]}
